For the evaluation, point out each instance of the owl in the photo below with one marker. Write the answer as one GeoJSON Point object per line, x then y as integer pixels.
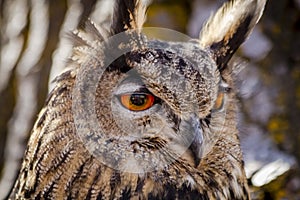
{"type": "Point", "coordinates": [138, 117]}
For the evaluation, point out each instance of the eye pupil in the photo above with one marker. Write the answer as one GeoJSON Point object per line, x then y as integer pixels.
{"type": "Point", "coordinates": [138, 99]}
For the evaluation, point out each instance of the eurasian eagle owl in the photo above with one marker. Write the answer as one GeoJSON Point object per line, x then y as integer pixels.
{"type": "Point", "coordinates": [136, 117]}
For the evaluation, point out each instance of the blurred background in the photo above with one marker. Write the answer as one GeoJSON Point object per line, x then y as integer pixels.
{"type": "Point", "coordinates": [34, 49]}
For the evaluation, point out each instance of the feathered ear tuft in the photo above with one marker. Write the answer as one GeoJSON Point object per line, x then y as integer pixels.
{"type": "Point", "coordinates": [129, 14]}
{"type": "Point", "coordinates": [228, 28]}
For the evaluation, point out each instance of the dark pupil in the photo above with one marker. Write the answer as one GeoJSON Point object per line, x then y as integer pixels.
{"type": "Point", "coordinates": [138, 99]}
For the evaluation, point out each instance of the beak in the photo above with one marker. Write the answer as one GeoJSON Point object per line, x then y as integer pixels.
{"type": "Point", "coordinates": [192, 131]}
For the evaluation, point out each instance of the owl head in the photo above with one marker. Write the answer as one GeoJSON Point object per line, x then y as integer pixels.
{"type": "Point", "coordinates": [142, 103]}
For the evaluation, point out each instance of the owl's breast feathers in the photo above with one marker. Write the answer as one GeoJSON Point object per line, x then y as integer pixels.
{"type": "Point", "coordinates": [57, 165]}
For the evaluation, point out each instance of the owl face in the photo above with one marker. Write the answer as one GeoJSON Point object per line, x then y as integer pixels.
{"type": "Point", "coordinates": [159, 103]}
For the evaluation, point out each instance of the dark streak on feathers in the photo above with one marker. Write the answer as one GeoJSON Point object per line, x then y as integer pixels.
{"type": "Point", "coordinates": [121, 17]}
{"type": "Point", "coordinates": [224, 50]}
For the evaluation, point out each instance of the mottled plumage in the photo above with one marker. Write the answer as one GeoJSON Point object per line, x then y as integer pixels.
{"type": "Point", "coordinates": [184, 145]}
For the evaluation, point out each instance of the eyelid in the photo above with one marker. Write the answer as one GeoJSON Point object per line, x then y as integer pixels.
{"type": "Point", "coordinates": [224, 87]}
{"type": "Point", "coordinates": [131, 87]}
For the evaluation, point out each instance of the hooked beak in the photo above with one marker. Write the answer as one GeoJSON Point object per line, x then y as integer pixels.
{"type": "Point", "coordinates": [192, 131]}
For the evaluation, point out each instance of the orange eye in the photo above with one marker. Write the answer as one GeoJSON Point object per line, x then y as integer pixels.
{"type": "Point", "coordinates": [137, 101]}
{"type": "Point", "coordinates": [219, 101]}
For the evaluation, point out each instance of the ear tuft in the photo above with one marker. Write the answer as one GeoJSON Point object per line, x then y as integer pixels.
{"type": "Point", "coordinates": [129, 14]}
{"type": "Point", "coordinates": [228, 28]}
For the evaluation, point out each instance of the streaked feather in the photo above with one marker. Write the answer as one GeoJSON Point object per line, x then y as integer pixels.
{"type": "Point", "coordinates": [229, 27]}
{"type": "Point", "coordinates": [129, 15]}
{"type": "Point", "coordinates": [225, 21]}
